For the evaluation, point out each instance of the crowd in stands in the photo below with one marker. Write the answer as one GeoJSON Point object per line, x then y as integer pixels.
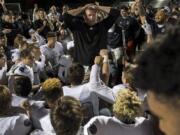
{"type": "Point", "coordinates": [93, 70]}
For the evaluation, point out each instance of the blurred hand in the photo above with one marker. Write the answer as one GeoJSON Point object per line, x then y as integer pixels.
{"type": "Point", "coordinates": [138, 1]}
{"type": "Point", "coordinates": [93, 6]}
{"type": "Point", "coordinates": [25, 105]}
{"type": "Point", "coordinates": [35, 6]}
{"type": "Point", "coordinates": [97, 3]}
{"type": "Point", "coordinates": [98, 60]}
{"type": "Point", "coordinates": [6, 31]}
{"type": "Point", "coordinates": [103, 52]}
{"type": "Point", "coordinates": [44, 23]}
{"type": "Point", "coordinates": [33, 38]}
{"type": "Point", "coordinates": [2, 2]}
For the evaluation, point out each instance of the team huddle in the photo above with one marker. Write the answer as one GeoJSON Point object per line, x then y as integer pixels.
{"type": "Point", "coordinates": [91, 70]}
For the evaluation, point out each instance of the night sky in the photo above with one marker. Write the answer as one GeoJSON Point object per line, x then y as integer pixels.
{"type": "Point", "coordinates": [28, 4]}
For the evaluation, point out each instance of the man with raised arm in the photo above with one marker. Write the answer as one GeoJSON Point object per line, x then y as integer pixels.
{"type": "Point", "coordinates": [89, 35]}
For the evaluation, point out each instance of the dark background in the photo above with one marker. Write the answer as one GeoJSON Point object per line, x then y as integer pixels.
{"type": "Point", "coordinates": [29, 4]}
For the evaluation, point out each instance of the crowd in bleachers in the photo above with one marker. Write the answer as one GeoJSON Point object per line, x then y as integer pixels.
{"type": "Point", "coordinates": [93, 70]}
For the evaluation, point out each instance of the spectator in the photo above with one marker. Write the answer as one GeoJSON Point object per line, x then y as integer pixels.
{"type": "Point", "coordinates": [35, 38]}
{"type": "Point", "coordinates": [129, 28]}
{"type": "Point", "coordinates": [54, 11]}
{"type": "Point", "coordinates": [41, 24]}
{"type": "Point", "coordinates": [4, 9]}
{"type": "Point", "coordinates": [9, 28]}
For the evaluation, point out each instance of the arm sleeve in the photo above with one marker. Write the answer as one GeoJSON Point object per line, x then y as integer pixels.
{"type": "Point", "coordinates": [95, 74]}
{"type": "Point", "coordinates": [95, 84]}
{"type": "Point", "coordinates": [42, 50]}
{"type": "Point", "coordinates": [23, 125]}
{"type": "Point", "coordinates": [41, 64]}
{"type": "Point", "coordinates": [89, 125]}
{"type": "Point", "coordinates": [71, 22]}
{"type": "Point", "coordinates": [95, 126]}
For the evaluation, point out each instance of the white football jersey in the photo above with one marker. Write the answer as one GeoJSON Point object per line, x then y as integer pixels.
{"type": "Point", "coordinates": [52, 54]}
{"type": "Point", "coordinates": [46, 124]}
{"type": "Point", "coordinates": [103, 125]}
{"type": "Point", "coordinates": [38, 111]}
{"type": "Point", "coordinates": [83, 94]}
{"type": "Point", "coordinates": [95, 84]}
{"type": "Point", "coordinates": [15, 125]}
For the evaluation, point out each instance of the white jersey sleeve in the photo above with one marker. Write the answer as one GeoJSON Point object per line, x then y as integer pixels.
{"type": "Point", "coordinates": [40, 132]}
{"type": "Point", "coordinates": [102, 125]}
{"type": "Point", "coordinates": [38, 111]}
{"type": "Point", "coordinates": [46, 124]}
{"type": "Point", "coordinates": [15, 125]}
{"type": "Point", "coordinates": [41, 64]}
{"type": "Point", "coordinates": [96, 84]}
